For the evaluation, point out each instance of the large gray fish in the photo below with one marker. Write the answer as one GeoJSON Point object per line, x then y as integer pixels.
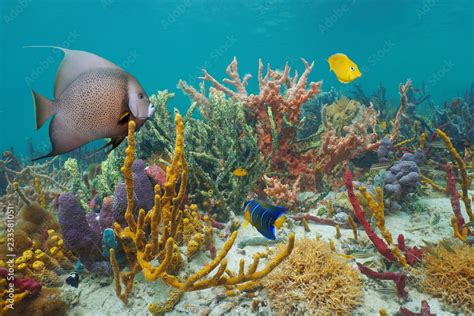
{"type": "Point", "coordinates": [93, 99]}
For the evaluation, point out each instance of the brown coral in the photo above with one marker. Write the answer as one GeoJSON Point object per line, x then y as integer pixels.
{"type": "Point", "coordinates": [449, 275]}
{"type": "Point", "coordinates": [48, 302]}
{"type": "Point", "coordinates": [314, 279]}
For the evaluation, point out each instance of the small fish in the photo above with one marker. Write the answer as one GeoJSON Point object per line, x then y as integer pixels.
{"type": "Point", "coordinates": [73, 279]}
{"type": "Point", "coordinates": [381, 166]}
{"type": "Point", "coordinates": [93, 99]}
{"type": "Point", "coordinates": [383, 125]}
{"type": "Point", "coordinates": [469, 224]}
{"type": "Point", "coordinates": [436, 219]}
{"type": "Point", "coordinates": [264, 217]}
{"type": "Point", "coordinates": [240, 172]}
{"type": "Point", "coordinates": [437, 144]}
{"type": "Point", "coordinates": [344, 68]}
{"type": "Point", "coordinates": [446, 244]}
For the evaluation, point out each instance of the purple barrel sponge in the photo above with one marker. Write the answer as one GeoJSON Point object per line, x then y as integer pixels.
{"type": "Point", "coordinates": [402, 178]}
{"type": "Point", "coordinates": [106, 218]}
{"type": "Point", "coordinates": [143, 189]}
{"type": "Point", "coordinates": [79, 237]}
{"type": "Point", "coordinates": [385, 150]}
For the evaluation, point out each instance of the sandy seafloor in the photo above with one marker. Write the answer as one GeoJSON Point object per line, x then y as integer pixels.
{"type": "Point", "coordinates": [96, 296]}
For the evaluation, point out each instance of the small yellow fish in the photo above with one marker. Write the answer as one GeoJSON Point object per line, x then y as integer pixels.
{"type": "Point", "coordinates": [344, 68]}
{"type": "Point", "coordinates": [240, 172]}
{"type": "Point", "coordinates": [383, 125]}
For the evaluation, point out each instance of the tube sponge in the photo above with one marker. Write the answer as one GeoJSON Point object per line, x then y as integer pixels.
{"type": "Point", "coordinates": [78, 236]}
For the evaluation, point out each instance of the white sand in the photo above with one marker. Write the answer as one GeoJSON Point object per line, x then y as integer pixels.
{"type": "Point", "coordinates": [95, 296]}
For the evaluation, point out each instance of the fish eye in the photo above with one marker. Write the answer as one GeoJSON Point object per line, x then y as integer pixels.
{"type": "Point", "coordinates": [140, 95]}
{"type": "Point", "coordinates": [352, 68]}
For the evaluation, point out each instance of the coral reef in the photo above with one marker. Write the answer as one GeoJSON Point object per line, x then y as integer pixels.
{"type": "Point", "coordinates": [79, 237]}
{"type": "Point", "coordinates": [29, 177]}
{"type": "Point", "coordinates": [402, 179]}
{"type": "Point", "coordinates": [340, 114]}
{"type": "Point", "coordinates": [448, 274]}
{"type": "Point", "coordinates": [154, 236]}
{"type": "Point", "coordinates": [312, 279]}
{"type": "Point", "coordinates": [143, 196]}
{"type": "Point", "coordinates": [424, 311]}
{"type": "Point", "coordinates": [274, 111]}
{"type": "Point", "coordinates": [20, 289]}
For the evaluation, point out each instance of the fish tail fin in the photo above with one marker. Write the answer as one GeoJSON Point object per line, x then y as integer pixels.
{"type": "Point", "coordinates": [44, 108]}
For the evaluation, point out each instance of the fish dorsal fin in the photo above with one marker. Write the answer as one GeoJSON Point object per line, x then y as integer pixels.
{"type": "Point", "coordinates": [75, 63]}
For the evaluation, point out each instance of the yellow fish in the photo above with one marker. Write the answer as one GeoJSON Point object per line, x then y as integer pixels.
{"type": "Point", "coordinates": [383, 125]}
{"type": "Point", "coordinates": [344, 68]}
{"type": "Point", "coordinates": [240, 172]}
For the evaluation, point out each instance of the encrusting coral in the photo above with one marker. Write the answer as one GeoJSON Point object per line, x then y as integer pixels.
{"type": "Point", "coordinates": [153, 235]}
{"type": "Point", "coordinates": [449, 275]}
{"type": "Point", "coordinates": [312, 280]}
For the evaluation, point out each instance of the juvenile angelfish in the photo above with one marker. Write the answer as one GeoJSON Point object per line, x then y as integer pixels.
{"type": "Point", "coordinates": [264, 217]}
{"type": "Point", "coordinates": [345, 69]}
{"type": "Point", "coordinates": [93, 99]}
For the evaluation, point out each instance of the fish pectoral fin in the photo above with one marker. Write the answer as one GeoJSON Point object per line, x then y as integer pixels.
{"type": "Point", "coordinates": [51, 154]}
{"type": "Point", "coordinates": [114, 142]}
{"type": "Point", "coordinates": [44, 108]}
{"type": "Point", "coordinates": [245, 224]}
{"type": "Point", "coordinates": [125, 118]}
{"type": "Point", "coordinates": [279, 222]}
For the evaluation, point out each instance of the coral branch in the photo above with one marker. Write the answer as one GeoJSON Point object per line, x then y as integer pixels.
{"type": "Point", "coordinates": [379, 244]}
{"type": "Point", "coordinates": [397, 277]}
{"type": "Point", "coordinates": [424, 311]}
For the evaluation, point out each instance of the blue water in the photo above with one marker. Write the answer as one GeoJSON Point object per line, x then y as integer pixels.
{"type": "Point", "coordinates": [161, 42]}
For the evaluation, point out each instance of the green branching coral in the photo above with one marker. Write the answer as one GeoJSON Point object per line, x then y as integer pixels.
{"type": "Point", "coordinates": [75, 182]}
{"type": "Point", "coordinates": [109, 174]}
{"type": "Point", "coordinates": [217, 143]}
{"type": "Point", "coordinates": [157, 134]}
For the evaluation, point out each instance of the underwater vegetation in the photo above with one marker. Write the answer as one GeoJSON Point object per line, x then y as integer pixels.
{"type": "Point", "coordinates": [314, 278]}
{"type": "Point", "coordinates": [351, 182]}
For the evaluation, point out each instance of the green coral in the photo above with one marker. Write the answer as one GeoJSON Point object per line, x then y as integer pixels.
{"type": "Point", "coordinates": [157, 134]}
{"type": "Point", "coordinates": [340, 113]}
{"type": "Point", "coordinates": [109, 173]}
{"type": "Point", "coordinates": [75, 182]}
{"type": "Point", "coordinates": [217, 143]}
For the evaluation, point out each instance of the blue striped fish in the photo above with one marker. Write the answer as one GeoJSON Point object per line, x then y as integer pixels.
{"type": "Point", "coordinates": [264, 217]}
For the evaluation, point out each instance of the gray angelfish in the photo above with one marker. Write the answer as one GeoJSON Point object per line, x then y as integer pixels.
{"type": "Point", "coordinates": [94, 99]}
